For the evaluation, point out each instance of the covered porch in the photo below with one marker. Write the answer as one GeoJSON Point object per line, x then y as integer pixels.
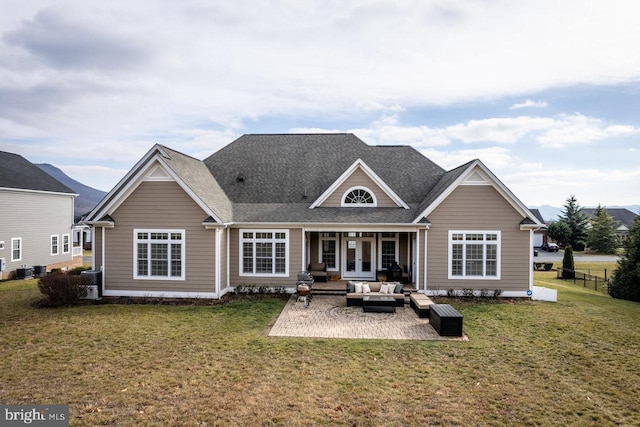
{"type": "Point", "coordinates": [373, 254]}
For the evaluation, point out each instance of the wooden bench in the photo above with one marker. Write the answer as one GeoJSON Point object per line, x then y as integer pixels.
{"type": "Point", "coordinates": [420, 304]}
{"type": "Point", "coordinates": [446, 320]}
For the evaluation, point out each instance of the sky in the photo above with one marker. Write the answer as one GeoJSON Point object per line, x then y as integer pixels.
{"type": "Point", "coordinates": [545, 93]}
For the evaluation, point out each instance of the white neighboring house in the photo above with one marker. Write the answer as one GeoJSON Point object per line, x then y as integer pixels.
{"type": "Point", "coordinates": [36, 220]}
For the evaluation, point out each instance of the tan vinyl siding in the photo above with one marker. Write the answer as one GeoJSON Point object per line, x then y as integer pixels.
{"type": "Point", "coordinates": [295, 254]}
{"type": "Point", "coordinates": [359, 178]}
{"type": "Point", "coordinates": [476, 207]}
{"type": "Point", "coordinates": [160, 205]}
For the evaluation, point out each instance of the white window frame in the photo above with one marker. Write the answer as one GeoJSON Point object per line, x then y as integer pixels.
{"type": "Point", "coordinates": [321, 241]}
{"type": "Point", "coordinates": [66, 243]}
{"type": "Point", "coordinates": [388, 239]}
{"type": "Point", "coordinates": [19, 240]}
{"type": "Point", "coordinates": [344, 203]}
{"type": "Point", "coordinates": [169, 241]}
{"type": "Point", "coordinates": [253, 238]}
{"type": "Point", "coordinates": [55, 247]}
{"type": "Point", "coordinates": [465, 243]}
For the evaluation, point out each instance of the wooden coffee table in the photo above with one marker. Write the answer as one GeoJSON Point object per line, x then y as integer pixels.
{"type": "Point", "coordinates": [379, 304]}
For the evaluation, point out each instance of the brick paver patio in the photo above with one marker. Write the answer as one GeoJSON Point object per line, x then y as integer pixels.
{"type": "Point", "coordinates": [329, 317]}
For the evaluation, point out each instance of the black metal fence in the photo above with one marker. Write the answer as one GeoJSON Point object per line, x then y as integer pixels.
{"type": "Point", "coordinates": [587, 280]}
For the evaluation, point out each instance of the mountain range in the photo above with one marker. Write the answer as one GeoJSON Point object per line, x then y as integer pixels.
{"type": "Point", "coordinates": [88, 197]}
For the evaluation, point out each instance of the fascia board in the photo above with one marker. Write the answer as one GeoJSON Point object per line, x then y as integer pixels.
{"type": "Point", "coordinates": [25, 190]}
{"type": "Point", "coordinates": [370, 173]}
{"type": "Point", "coordinates": [100, 210]}
{"type": "Point", "coordinates": [442, 197]}
{"type": "Point", "coordinates": [136, 179]}
{"type": "Point", "coordinates": [494, 181]}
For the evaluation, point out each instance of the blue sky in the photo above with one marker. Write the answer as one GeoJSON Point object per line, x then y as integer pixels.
{"type": "Point", "coordinates": [547, 95]}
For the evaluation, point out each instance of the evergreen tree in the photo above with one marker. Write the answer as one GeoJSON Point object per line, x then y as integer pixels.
{"type": "Point", "coordinates": [625, 283]}
{"type": "Point", "coordinates": [559, 231]}
{"type": "Point", "coordinates": [602, 234]}
{"type": "Point", "coordinates": [577, 222]}
{"type": "Point", "coordinates": [567, 263]}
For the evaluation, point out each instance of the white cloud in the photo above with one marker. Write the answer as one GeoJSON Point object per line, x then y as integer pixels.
{"type": "Point", "coordinates": [529, 104]}
{"type": "Point", "coordinates": [590, 185]}
{"type": "Point", "coordinates": [580, 129]}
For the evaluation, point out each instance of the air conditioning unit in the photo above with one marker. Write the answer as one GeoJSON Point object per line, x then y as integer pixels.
{"type": "Point", "coordinates": [94, 290]}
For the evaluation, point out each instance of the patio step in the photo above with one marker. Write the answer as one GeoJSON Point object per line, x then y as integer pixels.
{"type": "Point", "coordinates": [330, 288]}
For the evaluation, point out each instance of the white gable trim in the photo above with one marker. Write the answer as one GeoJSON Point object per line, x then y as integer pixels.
{"type": "Point", "coordinates": [152, 167]}
{"type": "Point", "coordinates": [359, 164]}
{"type": "Point", "coordinates": [478, 174]}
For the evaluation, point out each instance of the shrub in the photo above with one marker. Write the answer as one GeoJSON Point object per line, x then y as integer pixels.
{"type": "Point", "coordinates": [580, 246]}
{"type": "Point", "coordinates": [78, 270]}
{"type": "Point", "coordinates": [567, 263]}
{"type": "Point", "coordinates": [63, 289]}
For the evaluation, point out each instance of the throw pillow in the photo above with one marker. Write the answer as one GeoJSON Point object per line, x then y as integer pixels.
{"type": "Point", "coordinates": [398, 289]}
{"type": "Point", "coordinates": [384, 289]}
{"type": "Point", "coordinates": [351, 287]}
{"type": "Point", "coordinates": [366, 289]}
{"type": "Point", "coordinates": [358, 287]}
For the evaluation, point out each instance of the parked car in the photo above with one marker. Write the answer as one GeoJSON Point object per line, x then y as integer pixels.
{"type": "Point", "coordinates": [550, 247]}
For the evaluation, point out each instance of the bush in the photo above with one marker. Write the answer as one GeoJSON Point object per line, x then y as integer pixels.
{"type": "Point", "coordinates": [78, 270]}
{"type": "Point", "coordinates": [568, 266]}
{"type": "Point", "coordinates": [63, 289]}
{"type": "Point", "coordinates": [580, 246]}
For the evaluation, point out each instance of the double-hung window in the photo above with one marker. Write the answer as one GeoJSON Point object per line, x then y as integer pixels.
{"type": "Point", "coordinates": [474, 254]}
{"type": "Point", "coordinates": [55, 248]}
{"type": "Point", "coordinates": [65, 243]}
{"type": "Point", "coordinates": [264, 252]}
{"type": "Point", "coordinates": [159, 254]}
{"type": "Point", "coordinates": [16, 249]}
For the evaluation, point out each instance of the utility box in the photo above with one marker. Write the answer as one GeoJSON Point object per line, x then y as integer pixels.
{"type": "Point", "coordinates": [3, 264]}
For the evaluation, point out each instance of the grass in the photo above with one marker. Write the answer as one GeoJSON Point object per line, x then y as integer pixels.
{"type": "Point", "coordinates": [574, 362]}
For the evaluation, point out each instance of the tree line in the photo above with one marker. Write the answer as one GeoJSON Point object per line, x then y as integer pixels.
{"type": "Point", "coordinates": [575, 231]}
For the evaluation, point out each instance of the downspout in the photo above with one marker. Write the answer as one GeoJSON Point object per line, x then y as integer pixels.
{"type": "Point", "coordinates": [304, 250]}
{"type": "Point", "coordinates": [103, 260]}
{"type": "Point", "coordinates": [426, 284]}
{"type": "Point", "coordinates": [417, 255]}
{"type": "Point", "coordinates": [217, 262]}
{"type": "Point", "coordinates": [531, 237]}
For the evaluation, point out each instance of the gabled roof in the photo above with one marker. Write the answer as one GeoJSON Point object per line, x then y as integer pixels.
{"type": "Point", "coordinates": [624, 216]}
{"type": "Point", "coordinates": [538, 215]}
{"type": "Point", "coordinates": [277, 178]}
{"type": "Point", "coordinates": [360, 165]}
{"type": "Point", "coordinates": [190, 173]}
{"type": "Point", "coordinates": [474, 173]}
{"type": "Point", "coordinates": [18, 173]}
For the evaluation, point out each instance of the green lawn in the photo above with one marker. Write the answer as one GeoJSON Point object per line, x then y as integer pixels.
{"type": "Point", "coordinates": [575, 362]}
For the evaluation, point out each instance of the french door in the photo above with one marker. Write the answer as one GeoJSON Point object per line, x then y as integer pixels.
{"type": "Point", "coordinates": [358, 258]}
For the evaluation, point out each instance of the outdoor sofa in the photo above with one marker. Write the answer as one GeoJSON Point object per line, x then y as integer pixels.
{"type": "Point", "coordinates": [356, 291]}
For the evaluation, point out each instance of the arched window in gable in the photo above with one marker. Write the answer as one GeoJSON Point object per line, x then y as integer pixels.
{"type": "Point", "coordinates": [359, 196]}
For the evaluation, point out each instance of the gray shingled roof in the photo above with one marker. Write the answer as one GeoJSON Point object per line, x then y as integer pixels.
{"type": "Point", "coordinates": [622, 215]}
{"type": "Point", "coordinates": [196, 176]}
{"type": "Point", "coordinates": [17, 172]}
{"type": "Point", "coordinates": [283, 168]}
